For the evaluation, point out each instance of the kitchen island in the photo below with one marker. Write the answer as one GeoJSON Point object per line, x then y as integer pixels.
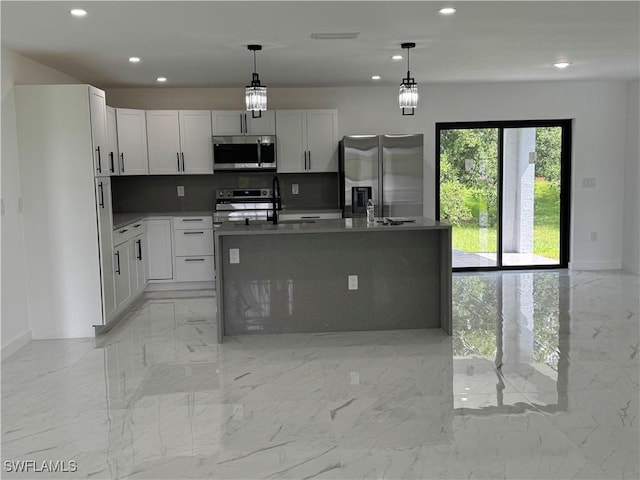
{"type": "Point", "coordinates": [332, 275]}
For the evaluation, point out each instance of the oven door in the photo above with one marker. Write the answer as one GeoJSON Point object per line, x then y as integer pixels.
{"type": "Point", "coordinates": [246, 152]}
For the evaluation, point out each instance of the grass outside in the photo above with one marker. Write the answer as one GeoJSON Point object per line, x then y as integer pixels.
{"type": "Point", "coordinates": [469, 237]}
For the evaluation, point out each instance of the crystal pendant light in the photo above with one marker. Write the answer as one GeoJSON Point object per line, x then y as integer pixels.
{"type": "Point", "coordinates": [255, 94]}
{"type": "Point", "coordinates": [408, 96]}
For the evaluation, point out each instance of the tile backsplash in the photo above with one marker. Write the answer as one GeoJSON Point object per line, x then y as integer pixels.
{"type": "Point", "coordinates": [158, 193]}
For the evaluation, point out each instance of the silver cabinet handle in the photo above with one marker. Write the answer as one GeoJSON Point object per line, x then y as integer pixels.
{"type": "Point", "coordinates": [178, 156]}
{"type": "Point", "coordinates": [182, 154]}
{"type": "Point", "coordinates": [139, 242]}
{"type": "Point", "coordinates": [241, 127]}
{"type": "Point", "coordinates": [193, 233]}
{"type": "Point", "coordinates": [309, 159]}
{"type": "Point", "coordinates": [122, 162]}
{"type": "Point", "coordinates": [310, 216]}
{"type": "Point", "coordinates": [123, 230]}
{"type": "Point", "coordinates": [137, 225]}
{"type": "Point", "coordinates": [192, 219]}
{"type": "Point", "coordinates": [194, 259]}
{"type": "Point", "coordinates": [112, 167]}
{"type": "Point", "coordinates": [118, 262]}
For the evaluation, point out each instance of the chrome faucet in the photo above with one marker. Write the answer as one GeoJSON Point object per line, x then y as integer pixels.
{"type": "Point", "coordinates": [275, 192]}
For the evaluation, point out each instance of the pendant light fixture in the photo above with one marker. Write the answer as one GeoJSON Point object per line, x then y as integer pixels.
{"type": "Point", "coordinates": [408, 96]}
{"type": "Point", "coordinates": [255, 94]}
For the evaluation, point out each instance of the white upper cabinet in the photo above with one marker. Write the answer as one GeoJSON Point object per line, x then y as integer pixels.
{"type": "Point", "coordinates": [196, 146]}
{"type": "Point", "coordinates": [112, 142]}
{"type": "Point", "coordinates": [179, 142]}
{"type": "Point", "coordinates": [239, 122]}
{"type": "Point", "coordinates": [163, 135]}
{"type": "Point", "coordinates": [132, 141]}
{"type": "Point", "coordinates": [307, 141]}
{"type": "Point", "coordinates": [98, 112]}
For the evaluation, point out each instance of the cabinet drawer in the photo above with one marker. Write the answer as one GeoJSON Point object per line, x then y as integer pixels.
{"type": "Point", "coordinates": [195, 269]}
{"type": "Point", "coordinates": [126, 233]}
{"type": "Point", "coordinates": [193, 242]}
{"type": "Point", "coordinates": [310, 215]}
{"type": "Point", "coordinates": [183, 223]}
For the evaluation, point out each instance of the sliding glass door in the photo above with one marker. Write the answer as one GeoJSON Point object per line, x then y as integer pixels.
{"type": "Point", "coordinates": [504, 188]}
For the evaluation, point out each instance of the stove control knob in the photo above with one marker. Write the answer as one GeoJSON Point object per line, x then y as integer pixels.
{"type": "Point", "coordinates": [264, 193]}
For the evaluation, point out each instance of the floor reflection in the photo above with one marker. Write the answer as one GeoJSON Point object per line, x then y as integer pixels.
{"type": "Point", "coordinates": [539, 380]}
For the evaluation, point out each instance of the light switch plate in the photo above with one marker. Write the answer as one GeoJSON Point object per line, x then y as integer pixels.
{"type": "Point", "coordinates": [180, 190]}
{"type": "Point", "coordinates": [533, 157]}
{"type": "Point", "coordinates": [295, 189]}
{"type": "Point", "coordinates": [353, 282]}
{"type": "Point", "coordinates": [234, 255]}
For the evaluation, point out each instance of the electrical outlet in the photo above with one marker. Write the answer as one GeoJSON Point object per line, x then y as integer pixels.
{"type": "Point", "coordinates": [295, 188]}
{"type": "Point", "coordinates": [589, 182]}
{"type": "Point", "coordinates": [533, 157]}
{"type": "Point", "coordinates": [180, 190]}
{"type": "Point", "coordinates": [353, 282]}
{"type": "Point", "coordinates": [594, 236]}
{"type": "Point", "coordinates": [234, 255]}
{"type": "Point", "coordinates": [355, 378]}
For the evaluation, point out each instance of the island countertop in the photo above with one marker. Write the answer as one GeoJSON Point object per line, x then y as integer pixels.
{"type": "Point", "coordinates": [340, 225]}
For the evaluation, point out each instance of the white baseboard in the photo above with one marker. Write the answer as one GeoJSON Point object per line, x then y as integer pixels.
{"type": "Point", "coordinates": [578, 266]}
{"type": "Point", "coordinates": [16, 344]}
{"type": "Point", "coordinates": [181, 286]}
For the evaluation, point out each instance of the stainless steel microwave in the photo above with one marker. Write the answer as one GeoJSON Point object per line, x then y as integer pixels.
{"type": "Point", "coordinates": [244, 152]}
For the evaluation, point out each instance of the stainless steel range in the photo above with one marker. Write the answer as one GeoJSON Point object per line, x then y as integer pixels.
{"type": "Point", "coordinates": [240, 204]}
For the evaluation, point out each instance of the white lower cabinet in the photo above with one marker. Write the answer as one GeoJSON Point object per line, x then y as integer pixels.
{"type": "Point", "coordinates": [129, 262]}
{"type": "Point", "coordinates": [193, 240]}
{"type": "Point", "coordinates": [159, 249]}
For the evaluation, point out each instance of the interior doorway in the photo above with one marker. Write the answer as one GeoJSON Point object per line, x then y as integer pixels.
{"type": "Point", "coordinates": [504, 186]}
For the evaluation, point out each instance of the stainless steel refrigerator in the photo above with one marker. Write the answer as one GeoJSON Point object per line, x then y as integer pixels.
{"type": "Point", "coordinates": [386, 168]}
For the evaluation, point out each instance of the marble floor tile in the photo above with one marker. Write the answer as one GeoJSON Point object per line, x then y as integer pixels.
{"type": "Point", "coordinates": [540, 380]}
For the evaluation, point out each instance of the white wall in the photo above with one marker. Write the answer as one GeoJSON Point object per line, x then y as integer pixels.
{"type": "Point", "coordinates": [15, 324]}
{"type": "Point", "coordinates": [598, 109]}
{"type": "Point", "coordinates": [631, 218]}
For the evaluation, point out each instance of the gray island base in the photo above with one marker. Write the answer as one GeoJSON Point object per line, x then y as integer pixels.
{"type": "Point", "coordinates": [332, 276]}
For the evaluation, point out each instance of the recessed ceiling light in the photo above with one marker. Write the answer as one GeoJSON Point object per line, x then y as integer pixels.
{"type": "Point", "coordinates": [561, 65]}
{"type": "Point", "coordinates": [78, 12]}
{"type": "Point", "coordinates": [447, 11]}
{"type": "Point", "coordinates": [134, 59]}
{"type": "Point", "coordinates": [375, 77]}
{"type": "Point", "coordinates": [396, 57]}
{"type": "Point", "coordinates": [161, 79]}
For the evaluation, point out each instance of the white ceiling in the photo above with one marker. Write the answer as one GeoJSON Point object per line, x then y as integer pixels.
{"type": "Point", "coordinates": [203, 44]}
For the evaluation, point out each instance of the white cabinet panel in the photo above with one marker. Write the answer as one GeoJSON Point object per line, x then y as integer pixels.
{"type": "Point", "coordinates": [307, 141]}
{"type": "Point", "coordinates": [159, 249]}
{"type": "Point", "coordinates": [132, 141]}
{"type": "Point", "coordinates": [112, 142]}
{"type": "Point", "coordinates": [163, 141]}
{"type": "Point", "coordinates": [196, 145]}
{"type": "Point", "coordinates": [193, 242]}
{"type": "Point", "coordinates": [195, 269]}
{"type": "Point", "coordinates": [240, 122]}
{"type": "Point", "coordinates": [105, 228]}
{"type": "Point", "coordinates": [122, 268]}
{"type": "Point", "coordinates": [98, 112]}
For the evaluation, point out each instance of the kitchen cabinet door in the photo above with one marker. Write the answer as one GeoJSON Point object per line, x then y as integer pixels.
{"type": "Point", "coordinates": [163, 142]}
{"type": "Point", "coordinates": [105, 228]}
{"type": "Point", "coordinates": [291, 141]}
{"type": "Point", "coordinates": [240, 122]}
{"type": "Point", "coordinates": [322, 140]}
{"type": "Point", "coordinates": [196, 145]}
{"type": "Point", "coordinates": [132, 141]}
{"type": "Point", "coordinates": [137, 273]}
{"type": "Point", "coordinates": [112, 142]}
{"type": "Point", "coordinates": [122, 267]}
{"type": "Point", "coordinates": [263, 125]}
{"type": "Point", "coordinates": [227, 122]}
{"type": "Point", "coordinates": [159, 249]}
{"type": "Point", "coordinates": [98, 112]}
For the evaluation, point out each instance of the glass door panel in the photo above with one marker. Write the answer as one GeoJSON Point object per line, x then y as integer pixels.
{"type": "Point", "coordinates": [469, 186]}
{"type": "Point", "coordinates": [531, 196]}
